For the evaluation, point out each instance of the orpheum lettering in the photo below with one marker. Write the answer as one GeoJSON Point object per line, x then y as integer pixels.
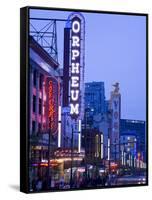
{"type": "Point", "coordinates": [75, 67]}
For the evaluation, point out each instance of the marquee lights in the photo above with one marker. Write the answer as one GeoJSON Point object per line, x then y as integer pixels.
{"type": "Point", "coordinates": [75, 67]}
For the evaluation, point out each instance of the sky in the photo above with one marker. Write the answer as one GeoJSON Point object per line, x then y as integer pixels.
{"type": "Point", "coordinates": [115, 51]}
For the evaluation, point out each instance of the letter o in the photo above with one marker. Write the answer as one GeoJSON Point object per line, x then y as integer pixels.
{"type": "Point", "coordinates": [76, 26]}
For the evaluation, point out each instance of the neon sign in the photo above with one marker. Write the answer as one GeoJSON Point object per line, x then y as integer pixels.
{"type": "Point", "coordinates": [52, 105]}
{"type": "Point", "coordinates": [51, 102]}
{"type": "Point", "coordinates": [75, 67]}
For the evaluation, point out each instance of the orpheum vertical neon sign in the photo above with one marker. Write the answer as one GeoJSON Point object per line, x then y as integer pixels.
{"type": "Point", "coordinates": [75, 67]}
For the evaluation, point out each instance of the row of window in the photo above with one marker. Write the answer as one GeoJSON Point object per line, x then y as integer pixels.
{"type": "Point", "coordinates": [34, 126]}
{"type": "Point", "coordinates": [35, 79]}
{"type": "Point", "coordinates": [39, 107]}
{"type": "Point", "coordinates": [40, 83]}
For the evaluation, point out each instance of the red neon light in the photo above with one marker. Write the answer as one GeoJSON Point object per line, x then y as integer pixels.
{"type": "Point", "coordinates": [53, 105]}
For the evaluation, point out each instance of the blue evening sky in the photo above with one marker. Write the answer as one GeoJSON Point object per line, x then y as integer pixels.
{"type": "Point", "coordinates": [115, 50]}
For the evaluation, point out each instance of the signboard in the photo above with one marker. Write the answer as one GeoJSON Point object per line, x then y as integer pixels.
{"type": "Point", "coordinates": [116, 118]}
{"type": "Point", "coordinates": [115, 125]}
{"type": "Point", "coordinates": [52, 102]}
{"type": "Point", "coordinates": [75, 67]}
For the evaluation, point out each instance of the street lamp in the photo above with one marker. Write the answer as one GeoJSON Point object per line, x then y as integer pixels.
{"type": "Point", "coordinates": [49, 152]}
{"type": "Point", "coordinates": [71, 173]}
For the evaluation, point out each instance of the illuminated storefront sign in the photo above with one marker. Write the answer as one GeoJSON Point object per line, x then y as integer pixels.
{"type": "Point", "coordinates": [75, 67]}
{"type": "Point", "coordinates": [52, 105]}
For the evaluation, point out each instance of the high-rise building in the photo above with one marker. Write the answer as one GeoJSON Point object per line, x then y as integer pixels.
{"type": "Point", "coordinates": [96, 112]}
{"type": "Point", "coordinates": [95, 97]}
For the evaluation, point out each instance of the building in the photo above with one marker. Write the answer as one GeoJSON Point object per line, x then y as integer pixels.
{"type": "Point", "coordinates": [107, 105]}
{"type": "Point", "coordinates": [44, 104]}
{"type": "Point", "coordinates": [102, 123]}
{"type": "Point", "coordinates": [95, 97]}
{"type": "Point", "coordinates": [128, 150]}
{"type": "Point", "coordinates": [56, 101]}
{"type": "Point", "coordinates": [92, 142]}
{"type": "Point", "coordinates": [138, 129]}
{"type": "Point", "coordinates": [97, 112]}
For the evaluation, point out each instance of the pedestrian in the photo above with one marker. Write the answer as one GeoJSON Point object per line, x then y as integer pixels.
{"type": "Point", "coordinates": [39, 185]}
{"type": "Point", "coordinates": [34, 184]}
{"type": "Point", "coordinates": [45, 184]}
{"type": "Point", "coordinates": [61, 184]}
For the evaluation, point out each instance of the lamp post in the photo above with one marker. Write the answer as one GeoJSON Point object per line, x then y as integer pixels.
{"type": "Point", "coordinates": [109, 154]}
{"type": "Point", "coordinates": [71, 173]}
{"type": "Point", "coordinates": [85, 143]}
{"type": "Point", "coordinates": [49, 151]}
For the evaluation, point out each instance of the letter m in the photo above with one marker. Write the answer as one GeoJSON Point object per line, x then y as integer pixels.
{"type": "Point", "coordinates": [74, 109]}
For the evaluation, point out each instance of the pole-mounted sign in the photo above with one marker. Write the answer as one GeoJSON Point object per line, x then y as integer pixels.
{"type": "Point", "coordinates": [75, 67]}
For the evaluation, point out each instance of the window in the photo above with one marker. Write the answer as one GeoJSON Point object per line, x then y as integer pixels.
{"type": "Point", "coordinates": [34, 103]}
{"type": "Point", "coordinates": [40, 106]}
{"type": "Point", "coordinates": [34, 77]}
{"type": "Point", "coordinates": [39, 126]}
{"type": "Point", "coordinates": [40, 81]}
{"type": "Point", "coordinates": [33, 126]}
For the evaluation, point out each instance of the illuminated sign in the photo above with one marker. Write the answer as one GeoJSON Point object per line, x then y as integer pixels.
{"type": "Point", "coordinates": [116, 117]}
{"type": "Point", "coordinates": [75, 67]}
{"type": "Point", "coordinates": [115, 131]}
{"type": "Point", "coordinates": [52, 105]}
